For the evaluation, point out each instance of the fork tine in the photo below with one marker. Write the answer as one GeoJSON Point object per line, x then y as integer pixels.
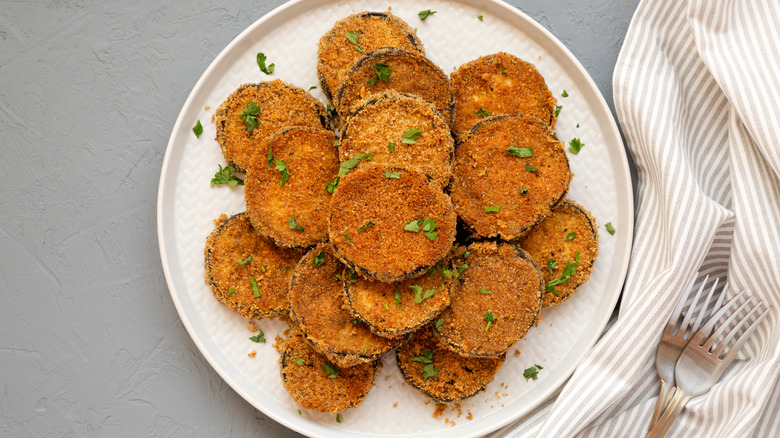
{"type": "Point", "coordinates": [700, 317]}
{"type": "Point", "coordinates": [722, 327]}
{"type": "Point", "coordinates": [692, 308]}
{"type": "Point", "coordinates": [707, 329]}
{"type": "Point", "coordinates": [746, 333]}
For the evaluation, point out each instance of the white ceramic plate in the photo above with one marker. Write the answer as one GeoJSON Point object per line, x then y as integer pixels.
{"type": "Point", "coordinates": [187, 206]}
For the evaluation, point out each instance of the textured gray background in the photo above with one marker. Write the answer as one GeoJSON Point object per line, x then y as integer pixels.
{"type": "Point", "coordinates": [90, 342]}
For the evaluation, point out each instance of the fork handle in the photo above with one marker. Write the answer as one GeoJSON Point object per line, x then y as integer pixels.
{"type": "Point", "coordinates": [663, 401]}
{"type": "Point", "coordinates": [676, 405]}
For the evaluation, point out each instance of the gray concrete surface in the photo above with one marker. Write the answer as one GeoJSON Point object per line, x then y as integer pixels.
{"type": "Point", "coordinates": [90, 342]}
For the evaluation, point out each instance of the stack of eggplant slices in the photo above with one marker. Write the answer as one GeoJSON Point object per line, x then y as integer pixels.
{"type": "Point", "coordinates": [420, 214]}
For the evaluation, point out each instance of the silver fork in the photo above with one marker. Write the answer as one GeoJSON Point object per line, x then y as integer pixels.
{"type": "Point", "coordinates": [703, 362]}
{"type": "Point", "coordinates": [676, 336]}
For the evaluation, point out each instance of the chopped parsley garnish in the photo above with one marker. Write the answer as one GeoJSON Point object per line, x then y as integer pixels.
{"type": "Point", "coordinates": [489, 318]}
{"type": "Point", "coordinates": [424, 14]}
{"type": "Point", "coordinates": [245, 261]}
{"type": "Point", "coordinates": [503, 73]}
{"type": "Point", "coordinates": [411, 136]}
{"type": "Point", "coordinates": [260, 337]}
{"type": "Point", "coordinates": [332, 185]}
{"type": "Point", "coordinates": [520, 152]}
{"type": "Point", "coordinates": [249, 116]}
{"type": "Point", "coordinates": [225, 176]}
{"type": "Point", "coordinates": [462, 268]}
{"type": "Point", "coordinates": [319, 259]}
{"type": "Point", "coordinates": [313, 87]}
{"type": "Point", "coordinates": [330, 370]}
{"type": "Point", "coordinates": [565, 94]}
{"type": "Point", "coordinates": [426, 357]}
{"type": "Point", "coordinates": [391, 147]}
{"type": "Point", "coordinates": [570, 236]}
{"type": "Point", "coordinates": [413, 226]}
{"type": "Point", "coordinates": [482, 112]}
{"type": "Point", "coordinates": [531, 168]}
{"type": "Point", "coordinates": [479, 17]}
{"type": "Point", "coordinates": [552, 265]}
{"type": "Point", "coordinates": [366, 225]}
{"type": "Point", "coordinates": [484, 291]}
{"type": "Point", "coordinates": [429, 371]}
{"type": "Point", "coordinates": [332, 111]}
{"type": "Point", "coordinates": [492, 208]}
{"type": "Point", "coordinates": [356, 321]}
{"type": "Point", "coordinates": [575, 145]}
{"type": "Point", "coordinates": [281, 166]}
{"type": "Point", "coordinates": [397, 297]}
{"type": "Point", "coordinates": [338, 416]}
{"type": "Point", "coordinates": [231, 291]}
{"type": "Point", "coordinates": [350, 164]}
{"type": "Point", "coordinates": [523, 190]}
{"type": "Point", "coordinates": [299, 361]}
{"type": "Point", "coordinates": [393, 175]}
{"type": "Point", "coordinates": [346, 236]}
{"type": "Point", "coordinates": [566, 274]}
{"type": "Point", "coordinates": [532, 372]}
{"type": "Point", "coordinates": [438, 325]}
{"type": "Point", "coordinates": [292, 225]}
{"type": "Point", "coordinates": [558, 110]}
{"type": "Point", "coordinates": [261, 63]}
{"type": "Point", "coordinates": [354, 38]}
{"type": "Point", "coordinates": [383, 72]}
{"type": "Point", "coordinates": [419, 296]}
{"type": "Point", "coordinates": [255, 290]}
{"type": "Point", "coordinates": [197, 129]}
{"type": "Point", "coordinates": [428, 226]}
{"type": "Point", "coordinates": [610, 228]}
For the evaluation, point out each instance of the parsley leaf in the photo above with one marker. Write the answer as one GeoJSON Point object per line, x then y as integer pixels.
{"type": "Point", "coordinates": [532, 372]}
{"type": "Point", "coordinates": [558, 110]}
{"type": "Point", "coordinates": [291, 224]}
{"type": "Point", "coordinates": [225, 176]}
{"type": "Point", "coordinates": [492, 208]}
{"type": "Point", "coordinates": [568, 271]}
{"type": "Point", "coordinates": [299, 361]}
{"type": "Point", "coordinates": [417, 292]}
{"type": "Point", "coordinates": [411, 136]}
{"type": "Point", "coordinates": [489, 318]}
{"type": "Point", "coordinates": [313, 87]}
{"type": "Point", "coordinates": [350, 164]}
{"type": "Point", "coordinates": [260, 337]}
{"type": "Point", "coordinates": [610, 228]}
{"type": "Point", "coordinates": [575, 145]}
{"type": "Point", "coordinates": [570, 236]}
{"type": "Point", "coordinates": [413, 226]}
{"type": "Point", "coordinates": [565, 94]}
{"type": "Point", "coordinates": [383, 72]}
{"type": "Point", "coordinates": [245, 261]}
{"type": "Point", "coordinates": [391, 147]}
{"type": "Point", "coordinates": [531, 168]}
{"type": "Point", "coordinates": [479, 17]}
{"type": "Point", "coordinates": [426, 357]}
{"type": "Point", "coordinates": [428, 226]}
{"type": "Point", "coordinates": [332, 185]}
{"type": "Point", "coordinates": [424, 14]}
{"type": "Point", "coordinates": [482, 112]}
{"type": "Point", "coordinates": [330, 370]}
{"type": "Point", "coordinates": [261, 63]}
{"type": "Point", "coordinates": [366, 225]}
{"type": "Point", "coordinates": [231, 291]}
{"type": "Point", "coordinates": [520, 152]}
{"type": "Point", "coordinates": [438, 325]}
{"type": "Point", "coordinates": [249, 116]}
{"type": "Point", "coordinates": [197, 129]}
{"type": "Point", "coordinates": [281, 166]}
{"type": "Point", "coordinates": [332, 111]}
{"type": "Point", "coordinates": [338, 418]}
{"type": "Point", "coordinates": [319, 259]}
{"type": "Point", "coordinates": [429, 371]}
{"type": "Point", "coordinates": [393, 175]}
{"type": "Point", "coordinates": [397, 297]}
{"type": "Point", "coordinates": [255, 290]}
{"type": "Point", "coordinates": [523, 190]}
{"type": "Point", "coordinates": [484, 291]}
{"type": "Point", "coordinates": [552, 265]}
{"type": "Point", "coordinates": [354, 38]}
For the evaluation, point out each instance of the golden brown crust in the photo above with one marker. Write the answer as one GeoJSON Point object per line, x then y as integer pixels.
{"type": "Point", "coordinates": [395, 309]}
{"type": "Point", "coordinates": [317, 306]}
{"type": "Point", "coordinates": [411, 73]}
{"type": "Point", "coordinates": [236, 240]}
{"type": "Point", "coordinates": [311, 162]}
{"type": "Point", "coordinates": [485, 176]}
{"type": "Point", "coordinates": [457, 377]}
{"type": "Point", "coordinates": [499, 84]}
{"type": "Point", "coordinates": [385, 251]}
{"type": "Point", "coordinates": [281, 105]}
{"type": "Point", "coordinates": [312, 387]}
{"type": "Point", "coordinates": [494, 303]}
{"type": "Point", "coordinates": [547, 240]}
{"type": "Point", "coordinates": [383, 119]}
{"type": "Point", "coordinates": [374, 30]}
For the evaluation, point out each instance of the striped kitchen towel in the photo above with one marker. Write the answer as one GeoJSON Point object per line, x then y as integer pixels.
{"type": "Point", "coordinates": [697, 92]}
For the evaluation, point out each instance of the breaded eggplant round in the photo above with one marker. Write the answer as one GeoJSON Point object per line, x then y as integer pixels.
{"type": "Point", "coordinates": [254, 112]}
{"type": "Point", "coordinates": [565, 245]}
{"type": "Point", "coordinates": [286, 186]}
{"type": "Point", "coordinates": [317, 384]}
{"type": "Point", "coordinates": [499, 84]}
{"type": "Point", "coordinates": [353, 36]}
{"type": "Point", "coordinates": [390, 224]}
{"type": "Point", "coordinates": [395, 69]}
{"type": "Point", "coordinates": [401, 130]}
{"type": "Point", "coordinates": [509, 172]}
{"type": "Point", "coordinates": [317, 306]}
{"type": "Point", "coordinates": [431, 367]}
{"type": "Point", "coordinates": [494, 302]}
{"type": "Point", "coordinates": [395, 309]}
{"type": "Point", "coordinates": [246, 271]}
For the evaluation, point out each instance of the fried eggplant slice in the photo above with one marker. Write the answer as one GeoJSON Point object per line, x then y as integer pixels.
{"type": "Point", "coordinates": [565, 245]}
{"type": "Point", "coordinates": [317, 384]}
{"type": "Point", "coordinates": [495, 301]}
{"type": "Point", "coordinates": [256, 111]}
{"type": "Point", "coordinates": [431, 367]}
{"type": "Point", "coordinates": [355, 35]}
{"type": "Point", "coordinates": [401, 130]}
{"type": "Point", "coordinates": [246, 271]}
{"type": "Point", "coordinates": [396, 309]}
{"type": "Point", "coordinates": [499, 84]}
{"type": "Point", "coordinates": [390, 224]}
{"type": "Point", "coordinates": [317, 306]}
{"type": "Point", "coordinates": [509, 172]}
{"type": "Point", "coordinates": [286, 186]}
{"type": "Point", "coordinates": [395, 69]}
